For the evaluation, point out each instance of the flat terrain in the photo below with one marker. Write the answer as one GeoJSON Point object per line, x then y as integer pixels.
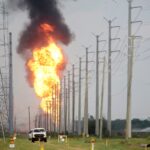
{"type": "Point", "coordinates": [76, 144]}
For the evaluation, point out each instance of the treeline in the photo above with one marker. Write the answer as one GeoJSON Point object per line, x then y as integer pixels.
{"type": "Point", "coordinates": [118, 125]}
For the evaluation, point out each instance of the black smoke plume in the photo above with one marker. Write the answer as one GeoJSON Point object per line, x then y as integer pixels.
{"type": "Point", "coordinates": [41, 11]}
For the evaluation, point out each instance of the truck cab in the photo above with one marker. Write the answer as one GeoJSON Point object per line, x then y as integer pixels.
{"type": "Point", "coordinates": [38, 134]}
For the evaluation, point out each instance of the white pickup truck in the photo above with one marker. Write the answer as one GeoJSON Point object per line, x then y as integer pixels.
{"type": "Point", "coordinates": [38, 134]}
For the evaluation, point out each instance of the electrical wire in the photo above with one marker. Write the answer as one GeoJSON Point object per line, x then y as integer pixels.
{"type": "Point", "coordinates": [121, 60]}
{"type": "Point", "coordinates": [120, 92]}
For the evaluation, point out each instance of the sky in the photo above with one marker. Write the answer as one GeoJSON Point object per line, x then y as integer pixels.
{"type": "Point", "coordinates": [85, 17]}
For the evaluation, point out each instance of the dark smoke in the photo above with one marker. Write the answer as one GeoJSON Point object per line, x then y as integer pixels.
{"type": "Point", "coordinates": [41, 11]}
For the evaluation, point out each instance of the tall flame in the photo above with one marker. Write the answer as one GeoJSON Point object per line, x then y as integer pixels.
{"type": "Point", "coordinates": [45, 67]}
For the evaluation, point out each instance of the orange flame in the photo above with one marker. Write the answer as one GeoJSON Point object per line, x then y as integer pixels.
{"type": "Point", "coordinates": [44, 66]}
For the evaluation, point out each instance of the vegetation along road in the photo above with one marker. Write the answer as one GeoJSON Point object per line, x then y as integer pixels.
{"type": "Point", "coordinates": [76, 144]}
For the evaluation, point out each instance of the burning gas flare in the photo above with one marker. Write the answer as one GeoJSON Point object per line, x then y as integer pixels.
{"type": "Point", "coordinates": [45, 66]}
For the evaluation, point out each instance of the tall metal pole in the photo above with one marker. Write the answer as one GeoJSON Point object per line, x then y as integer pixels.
{"type": "Point", "coordinates": [73, 99]}
{"type": "Point", "coordinates": [109, 72]}
{"type": "Point", "coordinates": [47, 116]}
{"type": "Point", "coordinates": [109, 81]}
{"type": "Point", "coordinates": [86, 97]}
{"type": "Point", "coordinates": [79, 104]}
{"type": "Point", "coordinates": [65, 104]}
{"type": "Point", "coordinates": [29, 118]}
{"type": "Point", "coordinates": [52, 110]}
{"type": "Point", "coordinates": [97, 86]}
{"type": "Point", "coordinates": [68, 101]}
{"type": "Point", "coordinates": [128, 115]}
{"type": "Point", "coordinates": [131, 39]}
{"type": "Point", "coordinates": [57, 106]}
{"type": "Point", "coordinates": [35, 121]}
{"type": "Point", "coordinates": [66, 110]}
{"type": "Point", "coordinates": [15, 125]}
{"type": "Point", "coordinates": [102, 100]}
{"type": "Point", "coordinates": [60, 108]}
{"type": "Point", "coordinates": [11, 103]}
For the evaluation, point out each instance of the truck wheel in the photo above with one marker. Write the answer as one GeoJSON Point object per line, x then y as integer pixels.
{"type": "Point", "coordinates": [45, 140]}
{"type": "Point", "coordinates": [32, 140]}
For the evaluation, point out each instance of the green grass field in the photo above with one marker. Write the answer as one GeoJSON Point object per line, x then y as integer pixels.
{"type": "Point", "coordinates": [76, 144]}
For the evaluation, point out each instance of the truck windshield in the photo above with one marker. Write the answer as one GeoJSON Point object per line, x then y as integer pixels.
{"type": "Point", "coordinates": [39, 130]}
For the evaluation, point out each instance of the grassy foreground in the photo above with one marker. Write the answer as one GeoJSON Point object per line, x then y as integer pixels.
{"type": "Point", "coordinates": [76, 144]}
